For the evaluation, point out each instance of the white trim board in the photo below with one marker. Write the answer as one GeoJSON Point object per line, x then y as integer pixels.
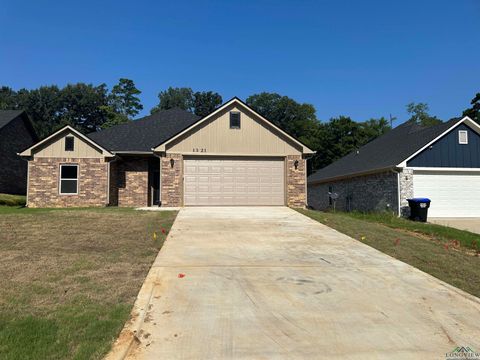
{"type": "Point", "coordinates": [445, 169]}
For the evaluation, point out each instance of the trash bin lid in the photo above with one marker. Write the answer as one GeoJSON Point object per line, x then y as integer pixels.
{"type": "Point", "coordinates": [420, 200]}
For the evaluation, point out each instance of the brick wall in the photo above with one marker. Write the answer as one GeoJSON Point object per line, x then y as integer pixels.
{"type": "Point", "coordinates": [14, 137]}
{"type": "Point", "coordinates": [376, 192]}
{"type": "Point", "coordinates": [44, 182]}
{"type": "Point", "coordinates": [129, 182]}
{"type": "Point", "coordinates": [171, 180]}
{"type": "Point", "coordinates": [296, 196]}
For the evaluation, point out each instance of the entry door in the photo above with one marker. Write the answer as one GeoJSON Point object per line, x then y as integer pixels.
{"type": "Point", "coordinates": [453, 193]}
{"type": "Point", "coordinates": [227, 181]}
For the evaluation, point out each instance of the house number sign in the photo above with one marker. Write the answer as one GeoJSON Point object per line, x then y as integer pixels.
{"type": "Point", "coordinates": [201, 150]}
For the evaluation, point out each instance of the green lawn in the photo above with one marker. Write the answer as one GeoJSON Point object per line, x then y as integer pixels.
{"type": "Point", "coordinates": [69, 278]}
{"type": "Point", "coordinates": [12, 200]}
{"type": "Point", "coordinates": [448, 254]}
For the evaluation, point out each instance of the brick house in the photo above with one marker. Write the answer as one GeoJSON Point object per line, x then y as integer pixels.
{"type": "Point", "coordinates": [16, 133]}
{"type": "Point", "coordinates": [440, 162]}
{"type": "Point", "coordinates": [232, 156]}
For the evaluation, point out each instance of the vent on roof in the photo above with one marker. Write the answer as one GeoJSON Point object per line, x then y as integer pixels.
{"type": "Point", "coordinates": [463, 137]}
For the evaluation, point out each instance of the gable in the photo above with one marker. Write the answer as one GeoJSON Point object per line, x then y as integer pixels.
{"type": "Point", "coordinates": [447, 152]}
{"type": "Point", "coordinates": [55, 147]}
{"type": "Point", "coordinates": [215, 137]}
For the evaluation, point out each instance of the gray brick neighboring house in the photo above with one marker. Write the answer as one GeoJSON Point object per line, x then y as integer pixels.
{"type": "Point", "coordinates": [16, 134]}
{"type": "Point", "coordinates": [171, 158]}
{"type": "Point", "coordinates": [441, 162]}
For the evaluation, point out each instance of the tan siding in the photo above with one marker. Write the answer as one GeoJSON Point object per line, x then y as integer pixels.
{"type": "Point", "coordinates": [253, 138]}
{"type": "Point", "coordinates": [55, 148]}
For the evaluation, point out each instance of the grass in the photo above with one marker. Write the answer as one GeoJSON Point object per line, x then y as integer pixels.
{"type": "Point", "coordinates": [446, 253]}
{"type": "Point", "coordinates": [69, 277]}
{"type": "Point", "coordinates": [12, 200]}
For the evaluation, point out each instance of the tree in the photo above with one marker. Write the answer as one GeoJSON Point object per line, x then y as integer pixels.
{"type": "Point", "coordinates": [82, 106]}
{"type": "Point", "coordinates": [175, 98]}
{"type": "Point", "coordinates": [8, 98]}
{"type": "Point", "coordinates": [43, 106]}
{"type": "Point", "coordinates": [295, 118]}
{"type": "Point", "coordinates": [112, 117]}
{"type": "Point", "coordinates": [124, 100]}
{"type": "Point", "coordinates": [419, 115]}
{"type": "Point", "coordinates": [205, 102]}
{"type": "Point", "coordinates": [474, 112]}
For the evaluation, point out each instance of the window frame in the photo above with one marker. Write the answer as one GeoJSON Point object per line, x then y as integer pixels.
{"type": "Point", "coordinates": [466, 137]}
{"type": "Point", "coordinates": [239, 120]}
{"type": "Point", "coordinates": [73, 143]}
{"type": "Point", "coordinates": [60, 178]}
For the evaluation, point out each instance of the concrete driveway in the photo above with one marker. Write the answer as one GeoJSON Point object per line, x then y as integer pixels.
{"type": "Point", "coordinates": [270, 283]}
{"type": "Point", "coordinates": [469, 224]}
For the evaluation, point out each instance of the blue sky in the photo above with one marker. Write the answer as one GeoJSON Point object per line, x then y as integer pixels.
{"type": "Point", "coordinates": [358, 58]}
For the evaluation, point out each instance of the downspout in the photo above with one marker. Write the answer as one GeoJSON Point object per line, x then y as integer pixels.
{"type": "Point", "coordinates": [28, 182]}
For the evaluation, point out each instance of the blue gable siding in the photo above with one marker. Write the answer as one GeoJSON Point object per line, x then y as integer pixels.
{"type": "Point", "coordinates": [447, 152]}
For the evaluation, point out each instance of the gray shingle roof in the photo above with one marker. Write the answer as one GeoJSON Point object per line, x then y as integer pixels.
{"type": "Point", "coordinates": [145, 133]}
{"type": "Point", "coordinates": [8, 115]}
{"type": "Point", "coordinates": [383, 152]}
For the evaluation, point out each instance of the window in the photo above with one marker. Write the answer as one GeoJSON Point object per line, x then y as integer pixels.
{"type": "Point", "coordinates": [462, 137]}
{"type": "Point", "coordinates": [68, 179]}
{"type": "Point", "coordinates": [69, 140]}
{"type": "Point", "coordinates": [234, 120]}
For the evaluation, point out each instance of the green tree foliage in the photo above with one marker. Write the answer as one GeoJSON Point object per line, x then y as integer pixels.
{"type": "Point", "coordinates": [299, 120]}
{"type": "Point", "coordinates": [473, 112]}
{"type": "Point", "coordinates": [44, 106]}
{"type": "Point", "coordinates": [341, 135]}
{"type": "Point", "coordinates": [175, 98]}
{"type": "Point", "coordinates": [7, 98]}
{"type": "Point", "coordinates": [83, 106]}
{"type": "Point", "coordinates": [124, 100]}
{"type": "Point", "coordinates": [112, 118]}
{"type": "Point", "coordinates": [331, 140]}
{"type": "Point", "coordinates": [205, 102]}
{"type": "Point", "coordinates": [419, 115]}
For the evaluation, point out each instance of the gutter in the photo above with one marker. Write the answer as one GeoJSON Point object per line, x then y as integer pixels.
{"type": "Point", "coordinates": [351, 175]}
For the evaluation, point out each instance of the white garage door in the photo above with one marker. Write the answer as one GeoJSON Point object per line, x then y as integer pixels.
{"type": "Point", "coordinates": [453, 194]}
{"type": "Point", "coordinates": [225, 181]}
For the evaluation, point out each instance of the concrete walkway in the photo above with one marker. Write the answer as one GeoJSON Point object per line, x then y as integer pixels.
{"type": "Point", "coordinates": [469, 224]}
{"type": "Point", "coordinates": [270, 283]}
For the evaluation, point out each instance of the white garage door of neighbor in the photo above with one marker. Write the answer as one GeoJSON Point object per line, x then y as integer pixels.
{"type": "Point", "coordinates": [227, 181]}
{"type": "Point", "coordinates": [453, 194]}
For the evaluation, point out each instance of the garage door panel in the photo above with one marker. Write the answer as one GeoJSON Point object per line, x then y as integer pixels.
{"type": "Point", "coordinates": [234, 182]}
{"type": "Point", "coordinates": [453, 194]}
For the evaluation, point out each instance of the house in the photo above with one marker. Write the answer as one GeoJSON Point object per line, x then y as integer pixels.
{"type": "Point", "coordinates": [232, 156]}
{"type": "Point", "coordinates": [16, 133]}
{"type": "Point", "coordinates": [441, 163]}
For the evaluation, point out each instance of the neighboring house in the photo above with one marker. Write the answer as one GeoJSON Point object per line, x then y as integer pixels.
{"type": "Point", "coordinates": [232, 156]}
{"type": "Point", "coordinates": [441, 163]}
{"type": "Point", "coordinates": [16, 133]}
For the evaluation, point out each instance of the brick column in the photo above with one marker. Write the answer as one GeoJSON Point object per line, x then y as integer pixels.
{"type": "Point", "coordinates": [296, 192]}
{"type": "Point", "coordinates": [171, 180]}
{"type": "Point", "coordinates": [406, 191]}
